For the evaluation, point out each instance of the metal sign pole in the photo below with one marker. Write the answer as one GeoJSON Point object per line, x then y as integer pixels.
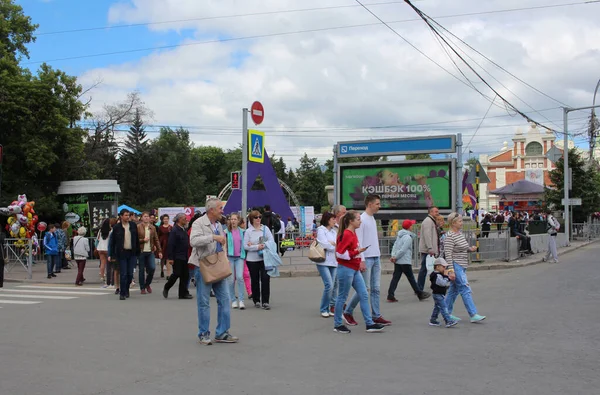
{"type": "Point", "coordinates": [459, 175]}
{"type": "Point", "coordinates": [335, 175]}
{"type": "Point", "coordinates": [244, 162]}
{"type": "Point", "coordinates": [566, 173]}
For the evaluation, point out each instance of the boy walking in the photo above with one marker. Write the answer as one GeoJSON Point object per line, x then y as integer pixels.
{"type": "Point", "coordinates": [440, 281]}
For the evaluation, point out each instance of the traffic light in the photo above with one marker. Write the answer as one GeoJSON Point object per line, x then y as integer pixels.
{"type": "Point", "coordinates": [235, 180]}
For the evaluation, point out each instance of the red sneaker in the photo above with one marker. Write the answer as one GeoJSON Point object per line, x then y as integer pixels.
{"type": "Point", "coordinates": [331, 310]}
{"type": "Point", "coordinates": [382, 321]}
{"type": "Point", "coordinates": [350, 320]}
{"type": "Point", "coordinates": [149, 289]}
{"type": "Point", "coordinates": [143, 292]}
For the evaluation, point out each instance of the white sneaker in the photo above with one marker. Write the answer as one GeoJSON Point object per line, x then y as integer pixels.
{"type": "Point", "coordinates": [242, 305]}
{"type": "Point", "coordinates": [111, 287]}
{"type": "Point", "coordinates": [234, 305]}
{"type": "Point", "coordinates": [325, 315]}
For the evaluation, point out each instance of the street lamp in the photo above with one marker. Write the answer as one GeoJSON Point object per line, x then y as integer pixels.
{"type": "Point", "coordinates": [593, 124]}
{"type": "Point", "coordinates": [566, 111]}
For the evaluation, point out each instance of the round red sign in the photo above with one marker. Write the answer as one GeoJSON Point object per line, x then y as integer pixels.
{"type": "Point", "coordinates": [257, 112]}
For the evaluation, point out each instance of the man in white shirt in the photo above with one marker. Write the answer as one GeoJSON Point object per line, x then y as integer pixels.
{"type": "Point", "coordinates": [368, 236]}
{"type": "Point", "coordinates": [552, 229]}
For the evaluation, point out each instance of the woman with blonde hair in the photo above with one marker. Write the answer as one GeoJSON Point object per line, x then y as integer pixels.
{"type": "Point", "coordinates": [456, 251]}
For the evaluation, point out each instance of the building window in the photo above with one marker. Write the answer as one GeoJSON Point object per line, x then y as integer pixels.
{"type": "Point", "coordinates": [534, 149]}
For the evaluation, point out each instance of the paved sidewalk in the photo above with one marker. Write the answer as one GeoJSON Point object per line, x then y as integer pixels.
{"type": "Point", "coordinates": [294, 265]}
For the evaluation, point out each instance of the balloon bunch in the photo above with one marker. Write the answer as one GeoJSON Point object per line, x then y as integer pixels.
{"type": "Point", "coordinates": [22, 221]}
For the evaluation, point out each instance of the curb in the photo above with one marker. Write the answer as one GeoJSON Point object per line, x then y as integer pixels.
{"type": "Point", "coordinates": [314, 273]}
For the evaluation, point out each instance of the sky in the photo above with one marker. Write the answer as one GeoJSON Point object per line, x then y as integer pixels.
{"type": "Point", "coordinates": [329, 70]}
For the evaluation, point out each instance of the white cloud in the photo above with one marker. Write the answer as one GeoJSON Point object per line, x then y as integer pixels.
{"type": "Point", "coordinates": [349, 78]}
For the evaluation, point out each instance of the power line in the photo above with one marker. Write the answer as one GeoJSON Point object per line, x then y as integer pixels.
{"type": "Point", "coordinates": [223, 40]}
{"type": "Point", "coordinates": [430, 23]}
{"type": "Point", "coordinates": [87, 29]}
{"type": "Point", "coordinates": [478, 127]}
{"type": "Point", "coordinates": [108, 27]}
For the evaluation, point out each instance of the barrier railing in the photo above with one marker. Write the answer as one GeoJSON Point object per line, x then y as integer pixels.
{"type": "Point", "coordinates": [585, 231]}
{"type": "Point", "coordinates": [19, 252]}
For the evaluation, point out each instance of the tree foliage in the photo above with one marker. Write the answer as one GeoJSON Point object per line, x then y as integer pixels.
{"type": "Point", "coordinates": [586, 185]}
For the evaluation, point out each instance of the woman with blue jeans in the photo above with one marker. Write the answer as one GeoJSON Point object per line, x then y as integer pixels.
{"type": "Point", "coordinates": [236, 254]}
{"type": "Point", "coordinates": [326, 235]}
{"type": "Point", "coordinates": [456, 250]}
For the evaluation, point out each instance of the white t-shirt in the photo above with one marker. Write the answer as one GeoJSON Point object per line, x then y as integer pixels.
{"type": "Point", "coordinates": [282, 229]}
{"type": "Point", "coordinates": [368, 236]}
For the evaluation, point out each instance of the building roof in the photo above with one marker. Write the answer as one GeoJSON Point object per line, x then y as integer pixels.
{"type": "Point", "coordinates": [88, 186]}
{"type": "Point", "coordinates": [522, 187]}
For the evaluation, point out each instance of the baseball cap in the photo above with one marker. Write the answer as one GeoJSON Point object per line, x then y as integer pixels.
{"type": "Point", "coordinates": [408, 223]}
{"type": "Point", "coordinates": [440, 261]}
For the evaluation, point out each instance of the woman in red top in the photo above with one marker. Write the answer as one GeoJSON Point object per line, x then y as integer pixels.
{"type": "Point", "coordinates": [163, 237]}
{"type": "Point", "coordinates": [349, 258]}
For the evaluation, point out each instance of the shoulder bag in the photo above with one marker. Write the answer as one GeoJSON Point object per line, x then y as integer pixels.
{"type": "Point", "coordinates": [316, 253]}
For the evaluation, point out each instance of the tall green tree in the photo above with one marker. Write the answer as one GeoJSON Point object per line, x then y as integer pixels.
{"type": "Point", "coordinates": [310, 185]}
{"type": "Point", "coordinates": [38, 115]}
{"type": "Point", "coordinates": [135, 163]}
{"type": "Point", "coordinates": [586, 185]}
{"type": "Point", "coordinates": [418, 156]}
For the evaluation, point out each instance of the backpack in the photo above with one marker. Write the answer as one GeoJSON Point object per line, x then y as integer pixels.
{"type": "Point", "coordinates": [271, 221]}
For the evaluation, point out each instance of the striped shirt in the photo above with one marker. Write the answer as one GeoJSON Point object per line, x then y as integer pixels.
{"type": "Point", "coordinates": [456, 249]}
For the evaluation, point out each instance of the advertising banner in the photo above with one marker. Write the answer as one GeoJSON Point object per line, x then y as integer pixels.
{"type": "Point", "coordinates": [402, 186]}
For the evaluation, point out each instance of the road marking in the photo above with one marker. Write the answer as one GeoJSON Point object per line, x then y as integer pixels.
{"type": "Point", "coordinates": [99, 290]}
{"type": "Point", "coordinates": [6, 295]}
{"type": "Point", "coordinates": [65, 288]}
{"type": "Point", "coordinates": [34, 291]}
{"type": "Point", "coordinates": [18, 302]}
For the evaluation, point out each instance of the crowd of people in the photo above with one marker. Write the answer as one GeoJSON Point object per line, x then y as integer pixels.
{"type": "Point", "coordinates": [350, 244]}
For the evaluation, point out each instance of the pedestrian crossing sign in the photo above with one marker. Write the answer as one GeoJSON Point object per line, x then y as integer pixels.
{"type": "Point", "coordinates": [256, 146]}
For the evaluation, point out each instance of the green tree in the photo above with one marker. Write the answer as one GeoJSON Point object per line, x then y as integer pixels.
{"type": "Point", "coordinates": [310, 186]}
{"type": "Point", "coordinates": [418, 156]}
{"type": "Point", "coordinates": [38, 116]}
{"type": "Point", "coordinates": [586, 185]}
{"type": "Point", "coordinates": [135, 163]}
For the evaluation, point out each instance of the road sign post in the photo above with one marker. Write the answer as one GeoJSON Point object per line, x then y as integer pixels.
{"type": "Point", "coordinates": [257, 112]}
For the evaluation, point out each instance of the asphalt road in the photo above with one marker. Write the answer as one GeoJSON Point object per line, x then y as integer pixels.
{"type": "Point", "coordinates": [542, 336]}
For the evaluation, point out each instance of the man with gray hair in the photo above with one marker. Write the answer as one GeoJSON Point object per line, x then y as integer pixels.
{"type": "Point", "coordinates": [177, 253]}
{"type": "Point", "coordinates": [207, 238]}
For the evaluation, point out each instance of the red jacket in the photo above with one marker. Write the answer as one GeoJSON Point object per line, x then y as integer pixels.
{"type": "Point", "coordinates": [349, 242]}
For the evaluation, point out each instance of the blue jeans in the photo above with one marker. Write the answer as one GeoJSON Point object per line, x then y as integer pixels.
{"type": "Point", "coordinates": [422, 272]}
{"type": "Point", "coordinates": [127, 263]}
{"type": "Point", "coordinates": [327, 274]}
{"type": "Point", "coordinates": [50, 262]}
{"type": "Point", "coordinates": [372, 278]}
{"type": "Point", "coordinates": [440, 307]}
{"type": "Point", "coordinates": [351, 278]}
{"type": "Point", "coordinates": [237, 268]}
{"type": "Point", "coordinates": [459, 286]}
{"type": "Point", "coordinates": [147, 264]}
{"type": "Point", "coordinates": [203, 302]}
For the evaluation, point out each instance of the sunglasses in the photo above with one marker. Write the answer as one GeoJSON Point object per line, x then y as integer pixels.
{"type": "Point", "coordinates": [257, 217]}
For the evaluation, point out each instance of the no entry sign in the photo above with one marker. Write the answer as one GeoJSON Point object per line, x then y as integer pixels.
{"type": "Point", "coordinates": [257, 112]}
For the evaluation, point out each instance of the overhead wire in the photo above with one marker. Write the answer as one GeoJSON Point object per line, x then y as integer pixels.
{"type": "Point", "coordinates": [429, 22]}
{"type": "Point", "coordinates": [224, 40]}
{"type": "Point", "coordinates": [508, 10]}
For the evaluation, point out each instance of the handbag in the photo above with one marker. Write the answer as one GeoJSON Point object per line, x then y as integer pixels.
{"type": "Point", "coordinates": [68, 254]}
{"type": "Point", "coordinates": [215, 267]}
{"type": "Point", "coordinates": [316, 253]}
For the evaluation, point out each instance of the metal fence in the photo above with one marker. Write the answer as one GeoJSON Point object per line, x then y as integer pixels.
{"type": "Point", "coordinates": [19, 253]}
{"type": "Point", "coordinates": [585, 231]}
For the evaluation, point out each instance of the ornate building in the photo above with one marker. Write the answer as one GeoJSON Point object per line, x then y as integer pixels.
{"type": "Point", "coordinates": [526, 160]}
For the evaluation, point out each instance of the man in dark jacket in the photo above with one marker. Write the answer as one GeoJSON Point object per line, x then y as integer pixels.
{"type": "Point", "coordinates": [177, 255]}
{"type": "Point", "coordinates": [125, 248]}
{"type": "Point", "coordinates": [270, 220]}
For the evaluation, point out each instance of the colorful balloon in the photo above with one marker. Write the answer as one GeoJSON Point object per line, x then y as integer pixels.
{"type": "Point", "coordinates": [22, 219]}
{"type": "Point", "coordinates": [26, 208]}
{"type": "Point", "coordinates": [42, 226]}
{"type": "Point", "coordinates": [14, 209]}
{"type": "Point", "coordinates": [22, 232]}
